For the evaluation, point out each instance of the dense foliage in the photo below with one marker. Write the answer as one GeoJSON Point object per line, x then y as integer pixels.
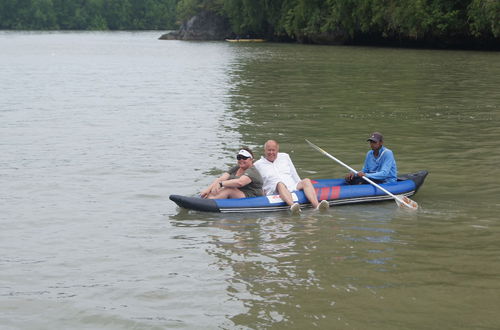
{"type": "Point", "coordinates": [306, 20]}
{"type": "Point", "coordinates": [88, 14]}
{"type": "Point", "coordinates": [446, 21]}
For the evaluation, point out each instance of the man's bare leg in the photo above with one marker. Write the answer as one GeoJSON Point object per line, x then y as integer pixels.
{"type": "Point", "coordinates": [284, 193]}
{"type": "Point", "coordinates": [309, 191]}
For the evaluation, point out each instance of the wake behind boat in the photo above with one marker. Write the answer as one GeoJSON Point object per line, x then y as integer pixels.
{"type": "Point", "coordinates": [335, 191]}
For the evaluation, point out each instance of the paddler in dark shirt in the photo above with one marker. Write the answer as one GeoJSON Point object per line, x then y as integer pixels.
{"type": "Point", "coordinates": [242, 180]}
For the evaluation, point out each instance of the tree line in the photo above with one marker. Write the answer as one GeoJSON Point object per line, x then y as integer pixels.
{"type": "Point", "coordinates": [299, 20]}
{"type": "Point", "coordinates": [314, 20]}
{"type": "Point", "coordinates": [88, 14]}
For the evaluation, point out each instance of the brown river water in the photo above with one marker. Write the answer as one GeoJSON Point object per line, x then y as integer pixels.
{"type": "Point", "coordinates": [98, 129]}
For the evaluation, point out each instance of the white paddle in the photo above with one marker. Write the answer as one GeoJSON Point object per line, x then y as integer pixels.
{"type": "Point", "coordinates": [400, 200]}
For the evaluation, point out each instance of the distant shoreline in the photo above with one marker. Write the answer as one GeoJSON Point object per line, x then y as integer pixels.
{"type": "Point", "coordinates": [363, 42]}
{"type": "Point", "coordinates": [476, 45]}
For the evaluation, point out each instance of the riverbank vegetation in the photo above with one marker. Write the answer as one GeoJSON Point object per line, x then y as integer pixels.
{"type": "Point", "coordinates": [427, 22]}
{"type": "Point", "coordinates": [88, 14]}
{"type": "Point", "coordinates": [439, 23]}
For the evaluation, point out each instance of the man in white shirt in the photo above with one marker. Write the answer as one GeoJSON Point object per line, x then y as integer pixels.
{"type": "Point", "coordinates": [280, 176]}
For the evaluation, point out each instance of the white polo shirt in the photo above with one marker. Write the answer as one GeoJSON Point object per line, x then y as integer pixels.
{"type": "Point", "coordinates": [281, 170]}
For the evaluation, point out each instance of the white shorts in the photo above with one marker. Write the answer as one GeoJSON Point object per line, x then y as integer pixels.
{"type": "Point", "coordinates": [290, 186]}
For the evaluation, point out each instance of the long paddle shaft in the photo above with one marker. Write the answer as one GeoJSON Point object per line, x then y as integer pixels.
{"type": "Point", "coordinates": [405, 201]}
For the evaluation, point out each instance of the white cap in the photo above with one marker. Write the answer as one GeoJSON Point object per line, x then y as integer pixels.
{"type": "Point", "coordinates": [245, 153]}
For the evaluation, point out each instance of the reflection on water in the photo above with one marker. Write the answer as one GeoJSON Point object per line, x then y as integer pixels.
{"type": "Point", "coordinates": [283, 266]}
{"type": "Point", "coordinates": [325, 269]}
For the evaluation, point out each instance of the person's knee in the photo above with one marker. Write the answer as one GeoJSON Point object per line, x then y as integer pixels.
{"type": "Point", "coordinates": [280, 185]}
{"type": "Point", "coordinates": [306, 182]}
{"type": "Point", "coordinates": [282, 190]}
{"type": "Point", "coordinates": [236, 193]}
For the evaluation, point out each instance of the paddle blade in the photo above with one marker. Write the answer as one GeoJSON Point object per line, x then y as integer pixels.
{"type": "Point", "coordinates": [404, 201]}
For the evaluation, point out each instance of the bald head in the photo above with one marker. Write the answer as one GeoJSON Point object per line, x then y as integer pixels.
{"type": "Point", "coordinates": [271, 143]}
{"type": "Point", "coordinates": [271, 149]}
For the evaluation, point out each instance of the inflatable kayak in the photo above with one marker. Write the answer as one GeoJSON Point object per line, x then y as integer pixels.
{"type": "Point", "coordinates": [335, 191]}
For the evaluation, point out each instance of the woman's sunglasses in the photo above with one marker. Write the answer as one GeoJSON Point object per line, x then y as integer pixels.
{"type": "Point", "coordinates": [240, 157]}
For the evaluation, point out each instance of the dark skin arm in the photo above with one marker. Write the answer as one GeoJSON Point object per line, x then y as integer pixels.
{"type": "Point", "coordinates": [351, 175]}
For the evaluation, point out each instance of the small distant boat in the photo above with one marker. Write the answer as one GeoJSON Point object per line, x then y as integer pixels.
{"type": "Point", "coordinates": [245, 40]}
{"type": "Point", "coordinates": [335, 191]}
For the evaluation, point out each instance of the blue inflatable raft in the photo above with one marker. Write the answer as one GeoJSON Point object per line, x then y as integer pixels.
{"type": "Point", "coordinates": [335, 191]}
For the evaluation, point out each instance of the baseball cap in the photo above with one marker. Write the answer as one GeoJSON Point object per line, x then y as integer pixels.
{"type": "Point", "coordinates": [376, 137]}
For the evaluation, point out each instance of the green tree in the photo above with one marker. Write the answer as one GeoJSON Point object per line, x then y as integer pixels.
{"type": "Point", "coordinates": [8, 12]}
{"type": "Point", "coordinates": [117, 14]}
{"type": "Point", "coordinates": [42, 15]}
{"type": "Point", "coordinates": [159, 14]}
{"type": "Point", "coordinates": [484, 18]}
